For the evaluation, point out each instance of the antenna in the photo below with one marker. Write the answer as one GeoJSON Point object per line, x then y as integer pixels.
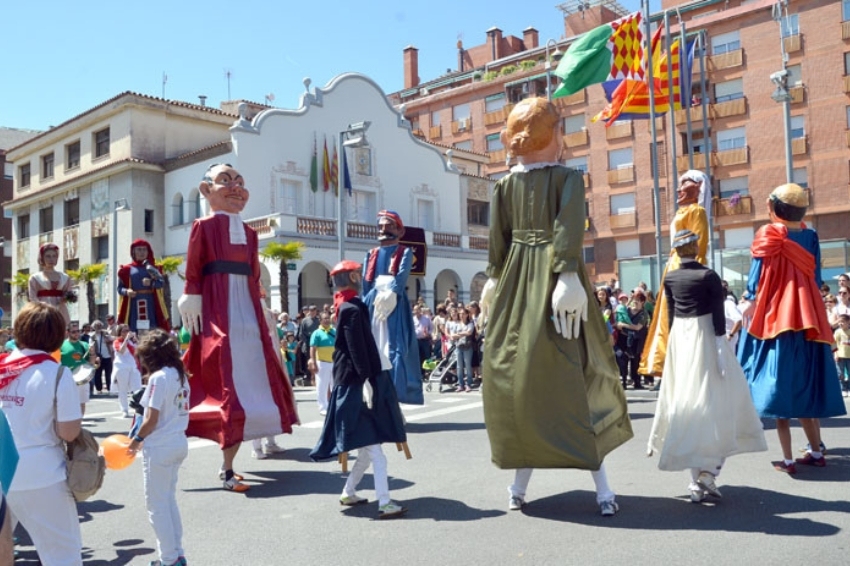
{"type": "Point", "coordinates": [269, 99]}
{"type": "Point", "coordinates": [228, 74]}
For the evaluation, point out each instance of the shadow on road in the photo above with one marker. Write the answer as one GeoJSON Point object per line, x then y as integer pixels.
{"type": "Point", "coordinates": [429, 508]}
{"type": "Point", "coordinates": [87, 509]}
{"type": "Point", "coordinates": [418, 427]}
{"type": "Point", "coordinates": [742, 509]}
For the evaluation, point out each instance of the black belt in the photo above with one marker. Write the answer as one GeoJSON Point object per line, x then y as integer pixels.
{"type": "Point", "coordinates": [220, 266]}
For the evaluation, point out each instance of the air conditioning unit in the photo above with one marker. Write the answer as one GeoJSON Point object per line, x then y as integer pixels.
{"type": "Point", "coordinates": [462, 124]}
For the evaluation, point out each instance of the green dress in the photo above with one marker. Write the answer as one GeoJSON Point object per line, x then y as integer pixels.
{"type": "Point", "coordinates": [549, 402]}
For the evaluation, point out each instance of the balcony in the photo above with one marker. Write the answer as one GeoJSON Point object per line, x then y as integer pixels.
{"type": "Point", "coordinates": [586, 178]}
{"type": "Point", "coordinates": [696, 114]}
{"type": "Point", "coordinates": [623, 220]}
{"type": "Point", "coordinates": [847, 136]}
{"type": "Point", "coordinates": [733, 206]}
{"type": "Point", "coordinates": [662, 201]}
{"type": "Point", "coordinates": [799, 146]}
{"type": "Point", "coordinates": [71, 238]}
{"type": "Point", "coordinates": [262, 225]}
{"type": "Point", "coordinates": [737, 107]}
{"type": "Point", "coordinates": [461, 126]}
{"type": "Point", "coordinates": [624, 174]}
{"type": "Point", "coordinates": [479, 243]}
{"type": "Point", "coordinates": [735, 156]}
{"type": "Point", "coordinates": [726, 60]}
{"type": "Point", "coordinates": [619, 130]}
{"type": "Point", "coordinates": [845, 30]}
{"type": "Point", "coordinates": [683, 163]}
{"type": "Point", "coordinates": [435, 132]}
{"type": "Point", "coordinates": [45, 238]}
{"type": "Point", "coordinates": [360, 231]}
{"type": "Point", "coordinates": [793, 43]}
{"type": "Point", "coordinates": [495, 117]}
{"type": "Point", "coordinates": [847, 83]}
{"type": "Point", "coordinates": [579, 97]}
{"type": "Point", "coordinates": [798, 94]}
{"type": "Point", "coordinates": [446, 240]}
{"type": "Point", "coordinates": [576, 139]}
{"type": "Point", "coordinates": [316, 226]}
{"type": "Point", "coordinates": [498, 156]}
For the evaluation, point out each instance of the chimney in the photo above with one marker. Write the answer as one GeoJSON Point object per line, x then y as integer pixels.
{"type": "Point", "coordinates": [411, 67]}
{"type": "Point", "coordinates": [203, 99]}
{"type": "Point", "coordinates": [530, 38]}
{"type": "Point", "coordinates": [494, 40]}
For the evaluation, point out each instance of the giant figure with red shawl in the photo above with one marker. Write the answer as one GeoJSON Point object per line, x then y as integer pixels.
{"type": "Point", "coordinates": [239, 389]}
{"type": "Point", "coordinates": [140, 282]}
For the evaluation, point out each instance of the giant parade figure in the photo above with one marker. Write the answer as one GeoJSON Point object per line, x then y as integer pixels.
{"type": "Point", "coordinates": [239, 388]}
{"type": "Point", "coordinates": [385, 274]}
{"type": "Point", "coordinates": [552, 397]}
{"type": "Point", "coordinates": [140, 283]}
{"type": "Point", "coordinates": [48, 284]}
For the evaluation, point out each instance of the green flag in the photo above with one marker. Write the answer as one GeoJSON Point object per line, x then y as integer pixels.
{"type": "Point", "coordinates": [314, 167]}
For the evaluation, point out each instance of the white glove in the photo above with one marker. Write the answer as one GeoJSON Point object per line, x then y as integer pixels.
{"type": "Point", "coordinates": [487, 294]}
{"type": "Point", "coordinates": [569, 305]}
{"type": "Point", "coordinates": [367, 393]}
{"type": "Point", "coordinates": [385, 303]}
{"type": "Point", "coordinates": [191, 308]}
{"type": "Point", "coordinates": [720, 345]}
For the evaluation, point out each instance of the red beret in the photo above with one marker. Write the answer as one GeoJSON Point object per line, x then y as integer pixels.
{"type": "Point", "coordinates": [346, 265]}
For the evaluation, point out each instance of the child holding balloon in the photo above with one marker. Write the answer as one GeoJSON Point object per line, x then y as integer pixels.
{"type": "Point", "coordinates": [163, 432]}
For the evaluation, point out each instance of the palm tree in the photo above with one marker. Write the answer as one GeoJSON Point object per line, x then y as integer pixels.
{"type": "Point", "coordinates": [89, 274]}
{"type": "Point", "coordinates": [283, 253]}
{"type": "Point", "coordinates": [21, 280]}
{"type": "Point", "coordinates": [169, 265]}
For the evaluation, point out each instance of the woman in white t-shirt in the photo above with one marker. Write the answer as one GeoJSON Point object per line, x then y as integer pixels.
{"type": "Point", "coordinates": [163, 431]}
{"type": "Point", "coordinates": [125, 374]}
{"type": "Point", "coordinates": [39, 496]}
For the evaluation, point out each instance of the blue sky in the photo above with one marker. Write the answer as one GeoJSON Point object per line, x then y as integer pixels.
{"type": "Point", "coordinates": [62, 58]}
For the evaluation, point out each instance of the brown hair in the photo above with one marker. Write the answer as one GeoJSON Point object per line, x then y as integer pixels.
{"type": "Point", "coordinates": [158, 349]}
{"type": "Point", "coordinates": [39, 326]}
{"type": "Point", "coordinates": [530, 126]}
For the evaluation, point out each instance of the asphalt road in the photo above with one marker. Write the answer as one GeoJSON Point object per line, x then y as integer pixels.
{"type": "Point", "coordinates": [458, 504]}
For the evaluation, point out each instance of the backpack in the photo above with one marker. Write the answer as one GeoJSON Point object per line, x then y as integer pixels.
{"type": "Point", "coordinates": [85, 466]}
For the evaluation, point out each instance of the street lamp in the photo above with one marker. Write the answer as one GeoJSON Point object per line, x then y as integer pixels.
{"type": "Point", "coordinates": [353, 136]}
{"type": "Point", "coordinates": [781, 94]}
{"type": "Point", "coordinates": [548, 66]}
{"type": "Point", "coordinates": [120, 204]}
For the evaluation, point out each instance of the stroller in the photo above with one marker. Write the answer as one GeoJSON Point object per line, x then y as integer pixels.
{"type": "Point", "coordinates": [445, 372]}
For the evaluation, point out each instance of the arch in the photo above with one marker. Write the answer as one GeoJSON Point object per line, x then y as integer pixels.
{"type": "Point", "coordinates": [193, 210]}
{"type": "Point", "coordinates": [177, 210]}
{"type": "Point", "coordinates": [445, 281]}
{"type": "Point", "coordinates": [476, 286]}
{"type": "Point", "coordinates": [314, 285]}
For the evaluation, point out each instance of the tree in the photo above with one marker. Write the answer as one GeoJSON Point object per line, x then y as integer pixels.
{"type": "Point", "coordinates": [169, 265]}
{"type": "Point", "coordinates": [89, 274]}
{"type": "Point", "coordinates": [283, 253]}
{"type": "Point", "coordinates": [21, 281]}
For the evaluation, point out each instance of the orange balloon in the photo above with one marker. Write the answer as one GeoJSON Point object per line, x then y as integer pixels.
{"type": "Point", "coordinates": [115, 451]}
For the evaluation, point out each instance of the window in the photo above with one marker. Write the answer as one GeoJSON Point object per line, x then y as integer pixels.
{"type": "Point", "coordinates": [24, 176]}
{"type": "Point", "coordinates": [795, 75]}
{"type": "Point", "coordinates": [729, 90]}
{"type": "Point", "coordinates": [735, 186]}
{"type": "Point", "coordinates": [460, 112]}
{"type": "Point", "coordinates": [698, 144]}
{"type": "Point", "coordinates": [45, 219]}
{"type": "Point", "coordinates": [148, 220]}
{"type": "Point", "coordinates": [425, 214]}
{"type": "Point", "coordinates": [845, 10]}
{"type": "Point", "coordinates": [435, 118]}
{"type": "Point", "coordinates": [177, 210]}
{"type": "Point", "coordinates": [23, 226]}
{"type": "Point", "coordinates": [577, 163]}
{"type": "Point", "coordinates": [72, 155]}
{"type": "Point", "coordinates": [362, 207]}
{"type": "Point", "coordinates": [620, 158]}
{"type": "Point", "coordinates": [494, 143]}
{"type": "Point", "coordinates": [100, 247]}
{"type": "Point", "coordinates": [193, 211]}
{"type": "Point", "coordinates": [494, 102]}
{"type": "Point", "coordinates": [848, 116]}
{"type": "Point", "coordinates": [798, 127]}
{"type": "Point", "coordinates": [574, 124]}
{"type": "Point", "coordinates": [725, 42]}
{"type": "Point", "coordinates": [847, 61]}
{"type": "Point", "coordinates": [72, 265]}
{"type": "Point", "coordinates": [101, 143]}
{"type": "Point", "coordinates": [478, 212]}
{"type": "Point", "coordinates": [800, 175]}
{"type": "Point", "coordinates": [628, 248]}
{"type": "Point", "coordinates": [622, 204]}
{"type": "Point", "coordinates": [465, 145]}
{"type": "Point", "coordinates": [587, 255]}
{"type": "Point", "coordinates": [47, 166]}
{"type": "Point", "coordinates": [790, 25]}
{"type": "Point", "coordinates": [290, 196]}
{"type": "Point", "coordinates": [72, 212]}
{"type": "Point", "coordinates": [735, 138]}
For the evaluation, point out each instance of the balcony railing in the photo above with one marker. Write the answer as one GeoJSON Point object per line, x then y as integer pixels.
{"type": "Point", "coordinates": [495, 117]}
{"type": "Point", "coordinates": [845, 30]}
{"type": "Point", "coordinates": [462, 125]}
{"type": "Point", "coordinates": [586, 178]}
{"type": "Point", "coordinates": [623, 220]}
{"type": "Point", "coordinates": [683, 163]}
{"type": "Point", "coordinates": [798, 94]}
{"type": "Point", "coordinates": [576, 139]}
{"type": "Point", "coordinates": [733, 206]}
{"type": "Point", "coordinates": [737, 107]}
{"type": "Point", "coordinates": [479, 242]}
{"type": "Point", "coordinates": [262, 225]}
{"type": "Point", "coordinates": [316, 226]}
{"type": "Point", "coordinates": [616, 131]}
{"type": "Point", "coordinates": [435, 132]}
{"type": "Point", "coordinates": [446, 240]}
{"type": "Point", "coordinates": [498, 156]}
{"type": "Point", "coordinates": [793, 43]}
{"type": "Point", "coordinates": [732, 156]}
{"type": "Point", "coordinates": [71, 238]}
{"type": "Point", "coordinates": [726, 60]}
{"type": "Point", "coordinates": [847, 134]}
{"type": "Point", "coordinates": [45, 237]}
{"type": "Point", "coordinates": [696, 114]}
{"type": "Point", "coordinates": [846, 82]}
{"type": "Point", "coordinates": [360, 231]}
{"type": "Point", "coordinates": [799, 146]}
{"type": "Point", "coordinates": [622, 175]}
{"type": "Point", "coordinates": [579, 97]}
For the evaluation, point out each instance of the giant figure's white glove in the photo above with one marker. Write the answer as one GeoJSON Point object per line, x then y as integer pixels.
{"type": "Point", "coordinates": [385, 303]}
{"type": "Point", "coordinates": [720, 345]}
{"type": "Point", "coordinates": [569, 305]}
{"type": "Point", "coordinates": [487, 294]}
{"type": "Point", "coordinates": [367, 393]}
{"type": "Point", "coordinates": [191, 308]}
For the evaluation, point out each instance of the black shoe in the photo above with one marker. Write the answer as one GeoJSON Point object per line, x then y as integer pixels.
{"type": "Point", "coordinates": [638, 386]}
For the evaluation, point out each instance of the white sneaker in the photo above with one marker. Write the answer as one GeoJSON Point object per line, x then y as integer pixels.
{"type": "Point", "coordinates": [698, 495]}
{"type": "Point", "coordinates": [391, 510]}
{"type": "Point", "coordinates": [608, 508]}
{"type": "Point", "coordinates": [516, 503]}
{"type": "Point", "coordinates": [273, 449]}
{"type": "Point", "coordinates": [323, 412]}
{"type": "Point", "coordinates": [259, 454]}
{"type": "Point", "coordinates": [125, 414]}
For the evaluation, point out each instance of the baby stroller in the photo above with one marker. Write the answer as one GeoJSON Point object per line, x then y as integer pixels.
{"type": "Point", "coordinates": [445, 373]}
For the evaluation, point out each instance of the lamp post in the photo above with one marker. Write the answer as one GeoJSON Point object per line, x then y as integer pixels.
{"type": "Point", "coordinates": [118, 205]}
{"type": "Point", "coordinates": [548, 66]}
{"type": "Point", "coordinates": [353, 136]}
{"type": "Point", "coordinates": [781, 94]}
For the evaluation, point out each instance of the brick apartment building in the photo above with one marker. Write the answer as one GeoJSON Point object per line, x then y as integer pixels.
{"type": "Point", "coordinates": [467, 108]}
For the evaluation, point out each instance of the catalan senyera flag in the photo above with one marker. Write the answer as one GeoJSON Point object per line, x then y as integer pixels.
{"type": "Point", "coordinates": [611, 52]}
{"type": "Point", "coordinates": [326, 168]}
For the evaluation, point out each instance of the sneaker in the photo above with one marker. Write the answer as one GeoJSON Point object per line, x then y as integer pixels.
{"type": "Point", "coordinates": [323, 412]}
{"type": "Point", "coordinates": [125, 415]}
{"type": "Point", "coordinates": [609, 508]}
{"type": "Point", "coordinates": [273, 449]}
{"type": "Point", "coordinates": [516, 503]}
{"type": "Point", "coordinates": [706, 482]}
{"type": "Point", "coordinates": [234, 484]}
{"type": "Point", "coordinates": [808, 448]}
{"type": "Point", "coordinates": [391, 510]}
{"type": "Point", "coordinates": [352, 500]}
{"type": "Point", "coordinates": [259, 454]}
{"type": "Point", "coordinates": [809, 460]}
{"type": "Point", "coordinates": [698, 495]}
{"type": "Point", "coordinates": [781, 466]}
{"type": "Point", "coordinates": [222, 475]}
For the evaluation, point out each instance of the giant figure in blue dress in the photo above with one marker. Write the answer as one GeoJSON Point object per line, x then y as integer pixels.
{"type": "Point", "coordinates": [385, 274]}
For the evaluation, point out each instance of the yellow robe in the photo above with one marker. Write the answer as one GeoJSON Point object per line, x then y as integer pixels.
{"type": "Point", "coordinates": [691, 217]}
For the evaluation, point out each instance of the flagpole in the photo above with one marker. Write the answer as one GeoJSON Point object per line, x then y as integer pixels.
{"type": "Point", "coordinates": [670, 98]}
{"type": "Point", "coordinates": [689, 127]}
{"type": "Point", "coordinates": [707, 141]}
{"type": "Point", "coordinates": [341, 197]}
{"type": "Point", "coordinates": [653, 149]}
